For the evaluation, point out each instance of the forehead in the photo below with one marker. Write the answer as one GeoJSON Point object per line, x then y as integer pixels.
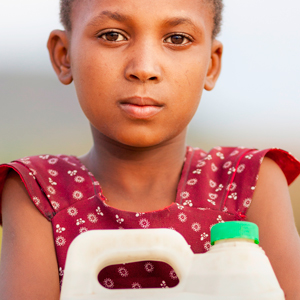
{"type": "Point", "coordinates": [198, 12]}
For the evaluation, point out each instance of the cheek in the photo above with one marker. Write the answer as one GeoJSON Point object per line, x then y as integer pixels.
{"type": "Point", "coordinates": [187, 90]}
{"type": "Point", "coordinates": [189, 86]}
{"type": "Point", "coordinates": [94, 80]}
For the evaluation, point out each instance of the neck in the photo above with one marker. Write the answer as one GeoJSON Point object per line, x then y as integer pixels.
{"type": "Point", "coordinates": [137, 179]}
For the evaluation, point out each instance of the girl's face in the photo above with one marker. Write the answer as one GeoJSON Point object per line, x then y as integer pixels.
{"type": "Point", "coordinates": [140, 66]}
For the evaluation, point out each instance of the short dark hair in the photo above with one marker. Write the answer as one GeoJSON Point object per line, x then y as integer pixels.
{"type": "Point", "coordinates": [66, 9]}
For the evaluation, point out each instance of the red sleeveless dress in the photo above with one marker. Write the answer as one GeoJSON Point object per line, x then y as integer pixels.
{"type": "Point", "coordinates": [214, 187]}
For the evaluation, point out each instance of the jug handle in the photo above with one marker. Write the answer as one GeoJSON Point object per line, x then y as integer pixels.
{"type": "Point", "coordinates": [92, 251]}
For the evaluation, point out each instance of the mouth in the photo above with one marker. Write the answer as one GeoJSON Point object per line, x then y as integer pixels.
{"type": "Point", "coordinates": [140, 107]}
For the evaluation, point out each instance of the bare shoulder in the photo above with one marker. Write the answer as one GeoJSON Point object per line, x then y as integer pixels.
{"type": "Point", "coordinates": [271, 210]}
{"type": "Point", "coordinates": [28, 268]}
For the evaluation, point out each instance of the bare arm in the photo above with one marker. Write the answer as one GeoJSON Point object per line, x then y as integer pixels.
{"type": "Point", "coordinates": [271, 210]}
{"type": "Point", "coordinates": [28, 268]}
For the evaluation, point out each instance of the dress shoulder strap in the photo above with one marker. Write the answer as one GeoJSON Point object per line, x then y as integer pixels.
{"type": "Point", "coordinates": [224, 179]}
{"type": "Point", "coordinates": [53, 182]}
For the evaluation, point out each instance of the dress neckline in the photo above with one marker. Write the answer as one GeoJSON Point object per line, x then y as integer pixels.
{"type": "Point", "coordinates": [180, 186]}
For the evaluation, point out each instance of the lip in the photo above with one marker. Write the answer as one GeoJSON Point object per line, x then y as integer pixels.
{"type": "Point", "coordinates": [140, 107]}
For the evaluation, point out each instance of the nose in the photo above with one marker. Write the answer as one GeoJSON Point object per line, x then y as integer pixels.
{"type": "Point", "coordinates": [143, 64]}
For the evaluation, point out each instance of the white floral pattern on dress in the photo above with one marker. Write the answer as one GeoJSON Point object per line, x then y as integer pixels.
{"type": "Point", "coordinates": [233, 196]}
{"type": "Point", "coordinates": [108, 283]}
{"type": "Point", "coordinates": [83, 229]}
{"type": "Point", "coordinates": [219, 219]}
{"type": "Point", "coordinates": [212, 184]}
{"type": "Point", "coordinates": [139, 214]}
{"type": "Point", "coordinates": [92, 218]}
{"type": "Point", "coordinates": [60, 241]}
{"type": "Point", "coordinates": [198, 171]}
{"type": "Point", "coordinates": [144, 223]}
{"type": "Point", "coordinates": [33, 171]}
{"type": "Point", "coordinates": [227, 165]}
{"type": "Point", "coordinates": [31, 174]}
{"type": "Point", "coordinates": [188, 203]}
{"type": "Point", "coordinates": [211, 201]}
{"type": "Point", "coordinates": [231, 187]}
{"type": "Point", "coordinates": [44, 156]}
{"type": "Point", "coordinates": [72, 211]}
{"type": "Point", "coordinates": [80, 221]}
{"type": "Point", "coordinates": [213, 196]}
{"type": "Point", "coordinates": [201, 164]}
{"type": "Point", "coordinates": [52, 161]}
{"type": "Point", "coordinates": [220, 188]}
{"type": "Point", "coordinates": [196, 227]}
{"type": "Point", "coordinates": [25, 160]}
{"type": "Point", "coordinates": [221, 155]}
{"type": "Point", "coordinates": [231, 170]}
{"type": "Point", "coordinates": [55, 205]}
{"type": "Point", "coordinates": [79, 179]}
{"type": "Point", "coordinates": [233, 153]}
{"type": "Point", "coordinates": [36, 200]}
{"type": "Point", "coordinates": [53, 173]}
{"type": "Point", "coordinates": [182, 217]}
{"type": "Point", "coordinates": [192, 182]}
{"type": "Point", "coordinates": [204, 236]}
{"type": "Point", "coordinates": [51, 190]}
{"type": "Point", "coordinates": [218, 201]}
{"type": "Point", "coordinates": [123, 272]}
{"type": "Point", "coordinates": [207, 246]}
{"type": "Point", "coordinates": [149, 267]}
{"type": "Point", "coordinates": [247, 202]}
{"type": "Point", "coordinates": [185, 195]}
{"type": "Point", "coordinates": [180, 207]}
{"type": "Point", "coordinates": [60, 229]}
{"type": "Point", "coordinates": [119, 220]}
{"type": "Point", "coordinates": [241, 168]}
{"type": "Point", "coordinates": [214, 168]}
{"type": "Point", "coordinates": [51, 181]}
{"type": "Point", "coordinates": [77, 195]}
{"type": "Point", "coordinates": [72, 173]}
{"type": "Point", "coordinates": [136, 285]}
{"type": "Point", "coordinates": [99, 212]}
{"type": "Point", "coordinates": [173, 275]}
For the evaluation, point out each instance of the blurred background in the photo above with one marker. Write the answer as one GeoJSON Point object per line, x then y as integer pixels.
{"type": "Point", "coordinates": [256, 102]}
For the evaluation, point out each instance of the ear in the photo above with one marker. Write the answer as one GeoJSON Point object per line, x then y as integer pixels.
{"type": "Point", "coordinates": [58, 47]}
{"type": "Point", "coordinates": [214, 68]}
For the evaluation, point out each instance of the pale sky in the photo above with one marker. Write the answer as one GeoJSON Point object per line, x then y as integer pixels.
{"type": "Point", "coordinates": [258, 94]}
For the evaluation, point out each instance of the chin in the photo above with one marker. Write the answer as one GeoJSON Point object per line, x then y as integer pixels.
{"type": "Point", "coordinates": [141, 143]}
{"type": "Point", "coordinates": [139, 137]}
{"type": "Point", "coordinates": [141, 140]}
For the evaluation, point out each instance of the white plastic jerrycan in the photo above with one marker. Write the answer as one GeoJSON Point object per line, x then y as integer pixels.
{"type": "Point", "coordinates": [235, 268]}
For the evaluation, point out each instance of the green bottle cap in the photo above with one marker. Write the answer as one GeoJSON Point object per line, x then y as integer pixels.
{"type": "Point", "coordinates": [234, 230]}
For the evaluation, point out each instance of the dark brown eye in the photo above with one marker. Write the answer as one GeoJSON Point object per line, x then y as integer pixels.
{"type": "Point", "coordinates": [178, 39]}
{"type": "Point", "coordinates": [113, 36]}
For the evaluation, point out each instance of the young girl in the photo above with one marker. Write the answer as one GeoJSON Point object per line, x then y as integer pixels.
{"type": "Point", "coordinates": [139, 69]}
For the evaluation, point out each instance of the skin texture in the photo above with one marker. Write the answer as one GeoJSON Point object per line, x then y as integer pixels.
{"type": "Point", "coordinates": [134, 157]}
{"type": "Point", "coordinates": [128, 151]}
{"type": "Point", "coordinates": [271, 210]}
{"type": "Point", "coordinates": [28, 267]}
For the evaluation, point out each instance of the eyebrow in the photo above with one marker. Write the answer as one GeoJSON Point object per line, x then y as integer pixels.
{"type": "Point", "coordinates": [180, 21]}
{"type": "Point", "coordinates": [110, 15]}
{"type": "Point", "coordinates": [173, 22]}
